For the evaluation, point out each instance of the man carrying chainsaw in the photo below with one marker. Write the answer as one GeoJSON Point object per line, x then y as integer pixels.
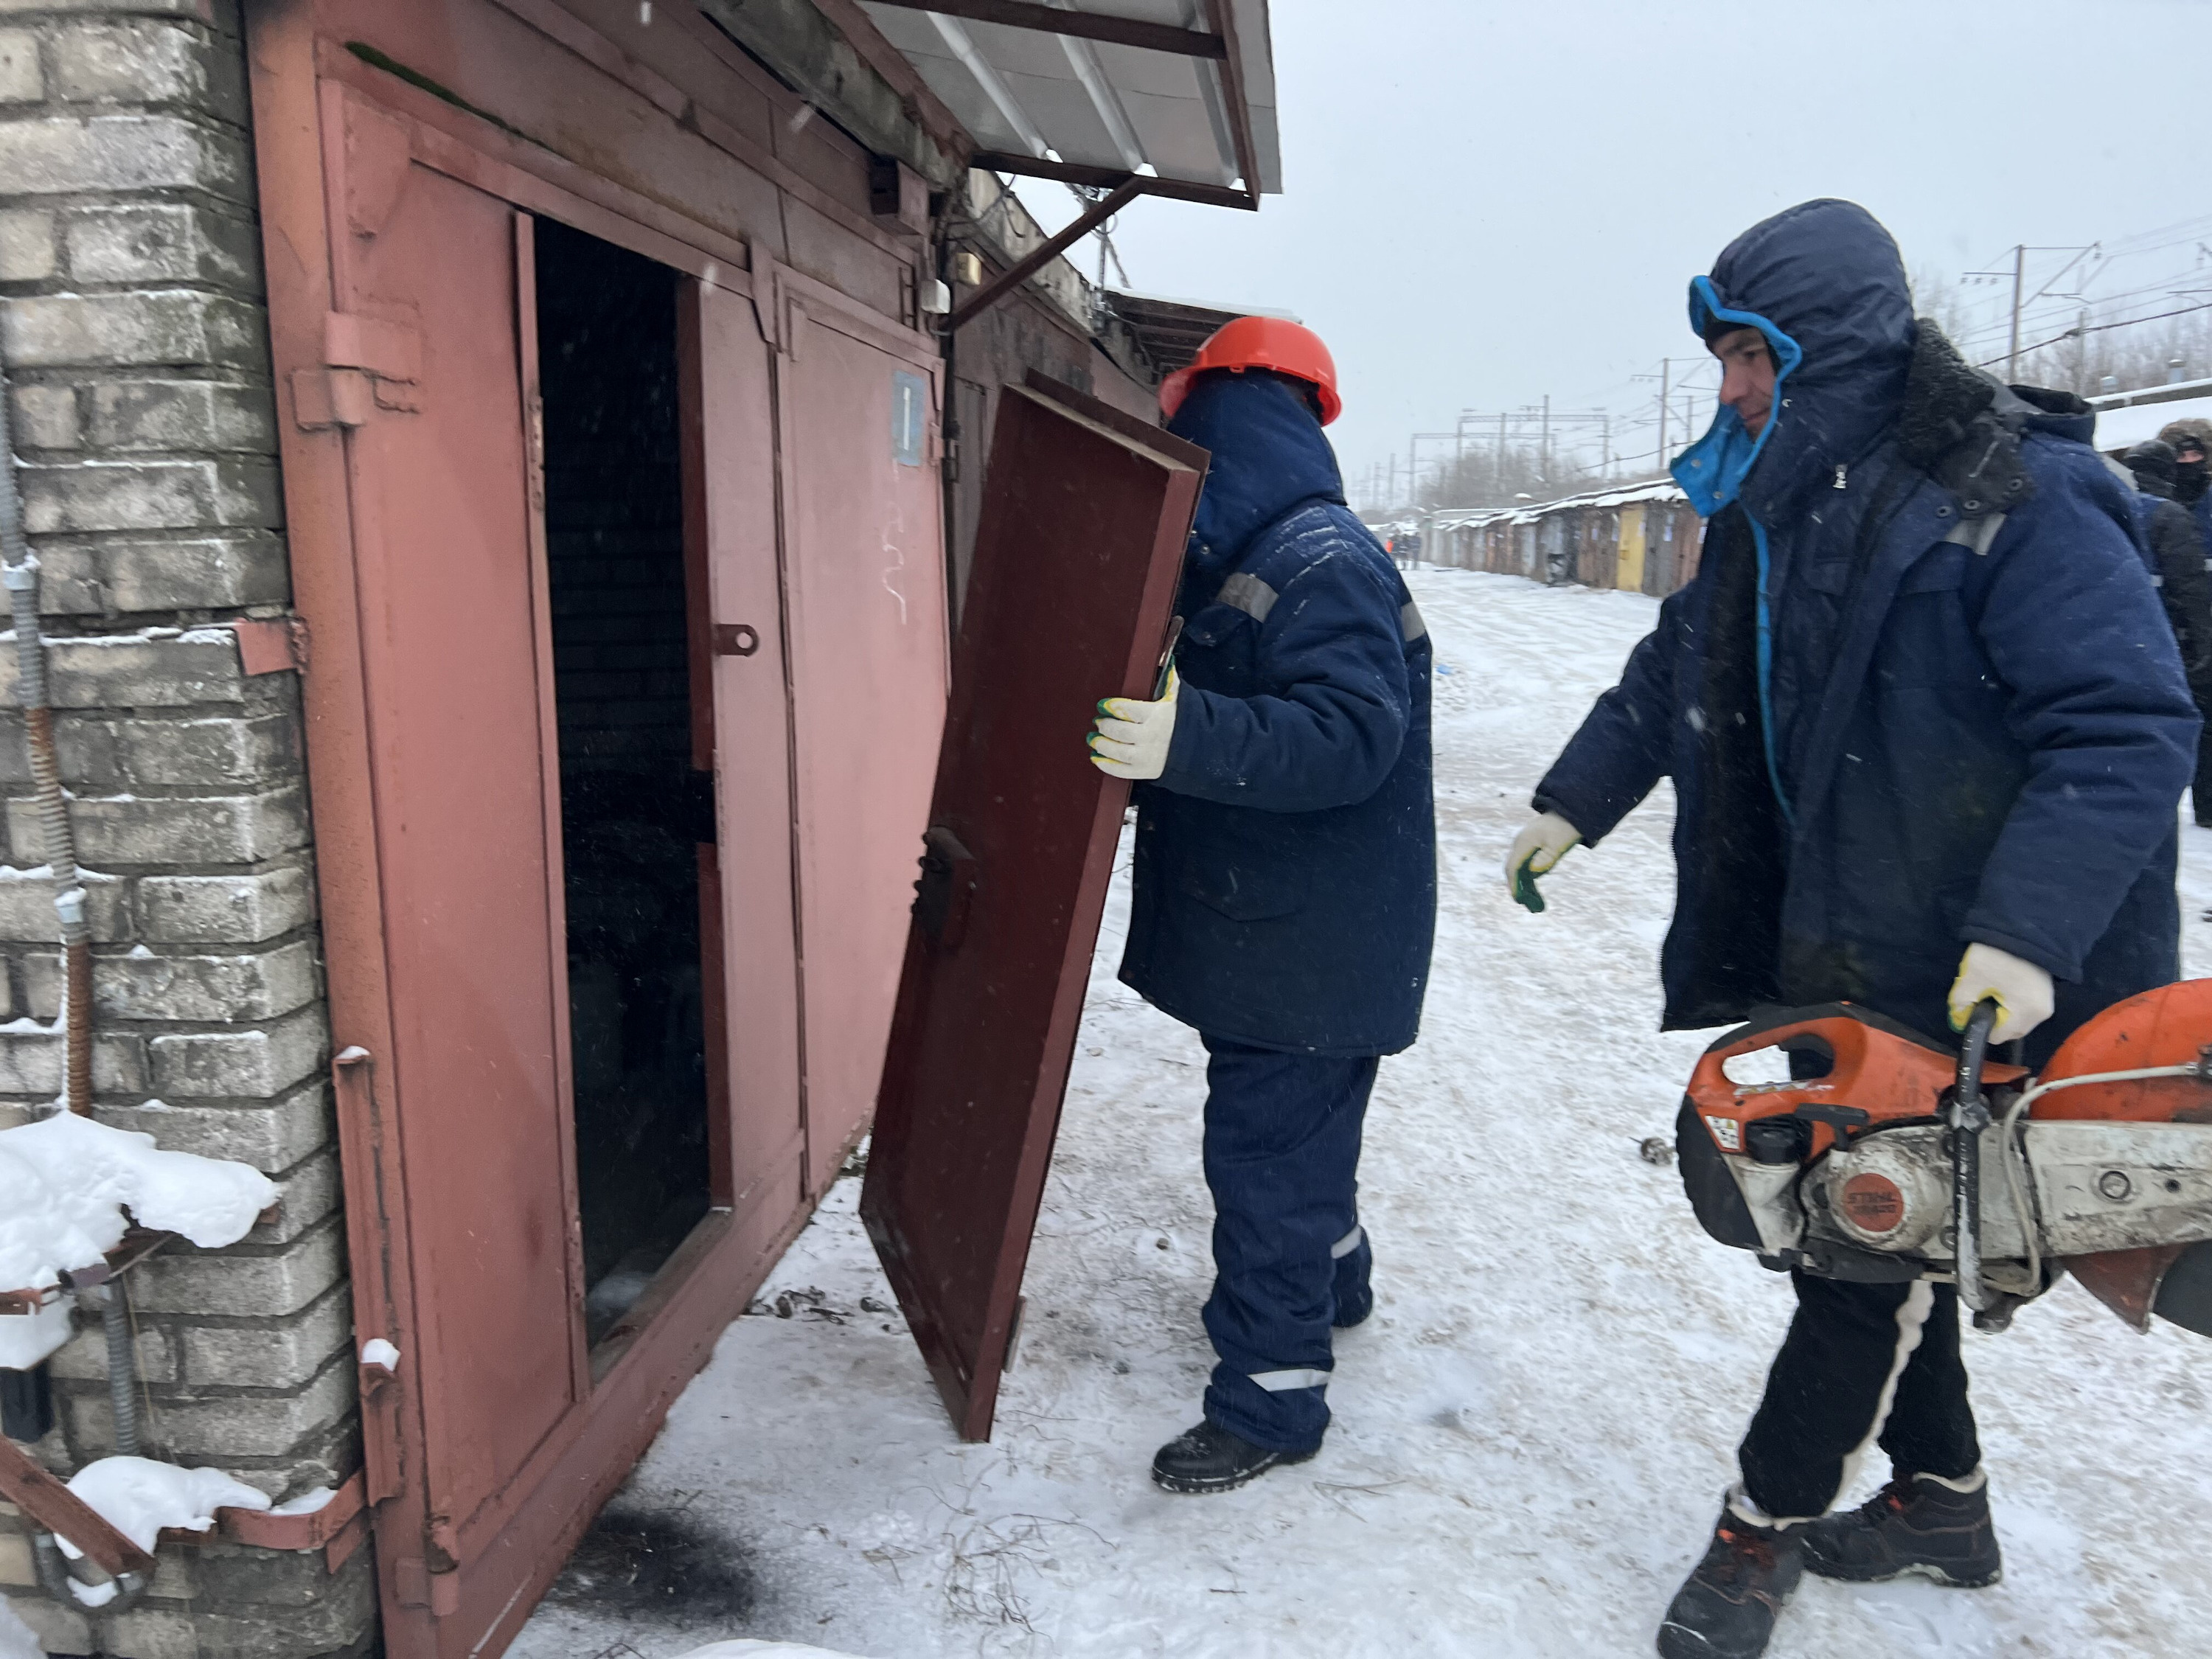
{"type": "Point", "coordinates": [1285, 875]}
{"type": "Point", "coordinates": [1928, 731]}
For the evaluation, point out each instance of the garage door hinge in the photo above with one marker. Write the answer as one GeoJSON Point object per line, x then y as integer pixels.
{"type": "Point", "coordinates": [417, 1586]}
{"type": "Point", "coordinates": [368, 363]}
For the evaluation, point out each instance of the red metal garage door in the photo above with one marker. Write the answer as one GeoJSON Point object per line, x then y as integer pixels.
{"type": "Point", "coordinates": [865, 574]}
{"type": "Point", "coordinates": [1085, 512]}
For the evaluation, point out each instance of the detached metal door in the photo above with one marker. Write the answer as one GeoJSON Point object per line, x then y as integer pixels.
{"type": "Point", "coordinates": [1085, 512]}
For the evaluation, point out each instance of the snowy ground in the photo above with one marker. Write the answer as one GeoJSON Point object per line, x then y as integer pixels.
{"type": "Point", "coordinates": [1532, 1434]}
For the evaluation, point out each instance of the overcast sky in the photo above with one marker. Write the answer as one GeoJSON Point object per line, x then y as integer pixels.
{"type": "Point", "coordinates": [1487, 201]}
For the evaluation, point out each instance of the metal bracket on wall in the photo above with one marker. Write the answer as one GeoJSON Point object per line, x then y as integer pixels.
{"type": "Point", "coordinates": [1012, 279]}
{"type": "Point", "coordinates": [271, 645]}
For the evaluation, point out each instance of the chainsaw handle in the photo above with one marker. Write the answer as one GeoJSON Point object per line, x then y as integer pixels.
{"type": "Point", "coordinates": [1973, 1055]}
{"type": "Point", "coordinates": [1970, 1115]}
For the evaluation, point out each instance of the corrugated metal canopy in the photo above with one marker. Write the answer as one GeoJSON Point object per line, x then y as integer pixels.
{"type": "Point", "coordinates": [1180, 90]}
{"type": "Point", "coordinates": [1170, 331]}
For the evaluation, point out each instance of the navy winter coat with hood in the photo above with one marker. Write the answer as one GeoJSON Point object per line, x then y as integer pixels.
{"type": "Point", "coordinates": [1286, 860]}
{"type": "Point", "coordinates": [1891, 732]}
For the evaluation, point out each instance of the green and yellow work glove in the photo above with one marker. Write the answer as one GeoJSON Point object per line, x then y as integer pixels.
{"type": "Point", "coordinates": [1544, 840]}
{"type": "Point", "coordinates": [2022, 992]}
{"type": "Point", "coordinates": [1130, 738]}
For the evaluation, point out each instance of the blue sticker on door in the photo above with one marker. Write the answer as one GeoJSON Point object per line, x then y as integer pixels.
{"type": "Point", "coordinates": [910, 417]}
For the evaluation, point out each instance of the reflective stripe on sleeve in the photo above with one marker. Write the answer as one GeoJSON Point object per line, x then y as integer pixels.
{"type": "Point", "coordinates": [1410, 623]}
{"type": "Point", "coordinates": [1344, 1246]}
{"type": "Point", "coordinates": [1248, 594]}
{"type": "Point", "coordinates": [1281, 1381]}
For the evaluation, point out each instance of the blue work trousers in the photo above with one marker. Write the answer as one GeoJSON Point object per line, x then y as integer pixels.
{"type": "Point", "coordinates": [1289, 1257]}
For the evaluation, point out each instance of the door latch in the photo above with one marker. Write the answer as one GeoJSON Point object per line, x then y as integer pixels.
{"type": "Point", "coordinates": [947, 892]}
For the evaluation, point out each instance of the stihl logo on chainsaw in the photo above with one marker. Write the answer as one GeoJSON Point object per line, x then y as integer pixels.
{"type": "Point", "coordinates": [1873, 1203]}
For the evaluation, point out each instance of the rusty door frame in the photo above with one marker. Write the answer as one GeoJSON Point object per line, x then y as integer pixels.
{"type": "Point", "coordinates": [707, 1283]}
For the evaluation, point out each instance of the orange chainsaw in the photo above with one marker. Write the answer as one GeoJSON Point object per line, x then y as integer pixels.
{"type": "Point", "coordinates": [1887, 1156]}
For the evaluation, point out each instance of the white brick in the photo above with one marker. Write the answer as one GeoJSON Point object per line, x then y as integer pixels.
{"type": "Point", "coordinates": [234, 1065]}
{"type": "Point", "coordinates": [179, 829]}
{"type": "Point", "coordinates": [66, 155]}
{"type": "Point", "coordinates": [27, 906]}
{"type": "Point", "coordinates": [233, 751]}
{"type": "Point", "coordinates": [150, 495]}
{"type": "Point", "coordinates": [229, 1283]}
{"type": "Point", "coordinates": [15, 1568]}
{"type": "Point", "coordinates": [224, 909]}
{"type": "Point", "coordinates": [31, 1064]}
{"type": "Point", "coordinates": [159, 243]}
{"type": "Point", "coordinates": [146, 1633]}
{"type": "Point", "coordinates": [46, 418]}
{"type": "Point", "coordinates": [253, 985]}
{"type": "Point", "coordinates": [195, 572]}
{"type": "Point", "coordinates": [20, 80]}
{"type": "Point", "coordinates": [129, 415]}
{"type": "Point", "coordinates": [138, 61]}
{"type": "Point", "coordinates": [153, 668]}
{"type": "Point", "coordinates": [153, 326]}
{"type": "Point", "coordinates": [203, 10]}
{"type": "Point", "coordinates": [59, 1629]}
{"type": "Point", "coordinates": [274, 1355]}
{"type": "Point", "coordinates": [271, 1137]}
{"type": "Point", "coordinates": [83, 1358]}
{"type": "Point", "coordinates": [26, 245]}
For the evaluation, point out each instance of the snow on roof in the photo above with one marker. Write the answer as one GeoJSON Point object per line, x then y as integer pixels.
{"type": "Point", "coordinates": [1143, 298]}
{"type": "Point", "coordinates": [65, 1183]}
{"type": "Point", "coordinates": [1624, 495]}
{"type": "Point", "coordinates": [2124, 427]}
{"type": "Point", "coordinates": [2170, 393]}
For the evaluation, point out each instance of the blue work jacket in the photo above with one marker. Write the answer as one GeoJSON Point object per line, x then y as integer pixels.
{"type": "Point", "coordinates": [1921, 693]}
{"type": "Point", "coordinates": [1286, 860]}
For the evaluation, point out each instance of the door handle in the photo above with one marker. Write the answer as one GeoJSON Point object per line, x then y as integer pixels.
{"type": "Point", "coordinates": [947, 892]}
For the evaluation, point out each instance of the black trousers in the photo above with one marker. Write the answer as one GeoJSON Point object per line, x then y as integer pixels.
{"type": "Point", "coordinates": [2202, 797]}
{"type": "Point", "coordinates": [1863, 1364]}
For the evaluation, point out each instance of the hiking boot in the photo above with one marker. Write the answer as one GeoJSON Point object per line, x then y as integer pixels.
{"type": "Point", "coordinates": [1727, 1607]}
{"type": "Point", "coordinates": [1915, 1525]}
{"type": "Point", "coordinates": [1208, 1458]}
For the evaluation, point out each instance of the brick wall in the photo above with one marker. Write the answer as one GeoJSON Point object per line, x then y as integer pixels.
{"type": "Point", "coordinates": [136, 343]}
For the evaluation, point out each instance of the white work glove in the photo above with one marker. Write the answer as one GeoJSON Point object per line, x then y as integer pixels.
{"type": "Point", "coordinates": [1130, 738]}
{"type": "Point", "coordinates": [2023, 991]}
{"type": "Point", "coordinates": [1545, 840]}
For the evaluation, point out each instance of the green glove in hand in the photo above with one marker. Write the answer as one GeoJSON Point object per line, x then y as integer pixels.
{"type": "Point", "coordinates": [1545, 840]}
{"type": "Point", "coordinates": [1130, 738]}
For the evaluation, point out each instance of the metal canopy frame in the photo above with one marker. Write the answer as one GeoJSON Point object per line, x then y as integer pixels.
{"type": "Point", "coordinates": [1077, 30]}
{"type": "Point", "coordinates": [1079, 25]}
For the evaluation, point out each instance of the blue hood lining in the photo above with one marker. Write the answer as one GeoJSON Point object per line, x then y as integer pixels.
{"type": "Point", "coordinates": [1711, 473]}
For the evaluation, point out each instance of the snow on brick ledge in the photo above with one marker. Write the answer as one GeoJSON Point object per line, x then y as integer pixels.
{"type": "Point", "coordinates": [138, 1498]}
{"type": "Point", "coordinates": [64, 1184]}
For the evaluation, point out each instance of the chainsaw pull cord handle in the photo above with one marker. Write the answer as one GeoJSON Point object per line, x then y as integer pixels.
{"type": "Point", "coordinates": [1969, 1116]}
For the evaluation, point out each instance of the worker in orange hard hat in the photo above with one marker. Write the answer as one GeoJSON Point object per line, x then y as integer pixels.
{"type": "Point", "coordinates": [1285, 875]}
{"type": "Point", "coordinates": [1274, 344]}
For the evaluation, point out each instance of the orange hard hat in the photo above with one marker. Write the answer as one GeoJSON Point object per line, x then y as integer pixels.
{"type": "Point", "coordinates": [1274, 343]}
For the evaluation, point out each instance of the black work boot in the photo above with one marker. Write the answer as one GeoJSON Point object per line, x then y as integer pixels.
{"type": "Point", "coordinates": [1209, 1458]}
{"type": "Point", "coordinates": [1727, 1606]}
{"type": "Point", "coordinates": [1914, 1525]}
